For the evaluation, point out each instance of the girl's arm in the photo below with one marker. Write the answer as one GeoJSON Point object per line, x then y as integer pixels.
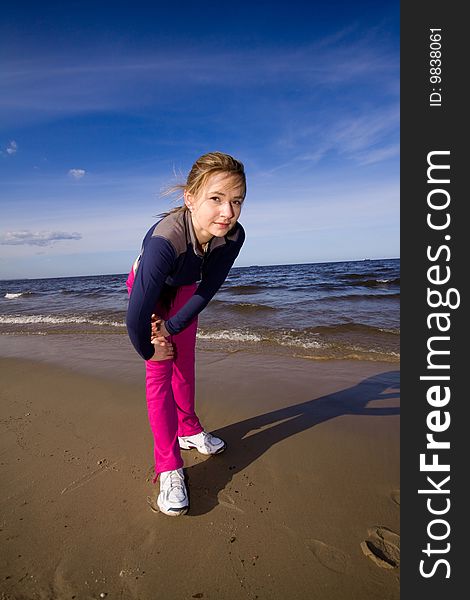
{"type": "Point", "coordinates": [155, 265]}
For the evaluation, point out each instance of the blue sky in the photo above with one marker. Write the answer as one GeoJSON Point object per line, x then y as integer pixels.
{"type": "Point", "coordinates": [104, 105]}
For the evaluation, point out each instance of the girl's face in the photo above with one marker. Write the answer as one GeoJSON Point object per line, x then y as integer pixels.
{"type": "Point", "coordinates": [216, 207]}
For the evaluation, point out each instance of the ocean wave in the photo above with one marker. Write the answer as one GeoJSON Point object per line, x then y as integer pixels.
{"type": "Point", "coordinates": [24, 333]}
{"type": "Point", "coordinates": [350, 328]}
{"type": "Point", "coordinates": [268, 337]}
{"type": "Point", "coordinates": [14, 295]}
{"type": "Point", "coordinates": [244, 289]}
{"type": "Point", "coordinates": [361, 297]}
{"type": "Point", "coordinates": [55, 320]}
{"type": "Point", "coordinates": [286, 340]}
{"type": "Point", "coordinates": [377, 282]}
{"type": "Point", "coordinates": [356, 276]}
{"type": "Point", "coordinates": [302, 344]}
{"type": "Point", "coordinates": [231, 335]}
{"type": "Point", "coordinates": [347, 341]}
{"type": "Point", "coordinates": [363, 355]}
{"type": "Point", "coordinates": [96, 293]}
{"type": "Point", "coordinates": [244, 307]}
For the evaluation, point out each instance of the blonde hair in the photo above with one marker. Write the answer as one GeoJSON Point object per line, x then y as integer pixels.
{"type": "Point", "coordinates": [205, 166]}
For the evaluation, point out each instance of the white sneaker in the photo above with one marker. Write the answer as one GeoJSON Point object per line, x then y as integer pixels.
{"type": "Point", "coordinates": [204, 442]}
{"type": "Point", "coordinates": [173, 497]}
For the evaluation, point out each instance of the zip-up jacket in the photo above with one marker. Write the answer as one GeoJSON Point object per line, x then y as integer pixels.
{"type": "Point", "coordinates": [170, 258]}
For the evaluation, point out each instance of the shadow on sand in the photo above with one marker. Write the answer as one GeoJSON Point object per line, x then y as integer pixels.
{"type": "Point", "coordinates": [208, 478]}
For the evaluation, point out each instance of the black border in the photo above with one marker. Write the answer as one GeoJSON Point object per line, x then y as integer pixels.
{"type": "Point", "coordinates": [426, 128]}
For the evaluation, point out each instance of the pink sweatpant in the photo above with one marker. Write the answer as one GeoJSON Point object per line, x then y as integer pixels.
{"type": "Point", "coordinates": [170, 388]}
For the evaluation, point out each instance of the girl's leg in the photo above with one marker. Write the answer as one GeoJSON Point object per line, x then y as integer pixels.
{"type": "Point", "coordinates": [161, 406]}
{"type": "Point", "coordinates": [183, 377]}
{"type": "Point", "coordinates": [163, 416]}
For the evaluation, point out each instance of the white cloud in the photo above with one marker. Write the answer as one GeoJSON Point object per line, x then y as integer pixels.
{"type": "Point", "coordinates": [36, 238]}
{"type": "Point", "coordinates": [12, 148]}
{"type": "Point", "coordinates": [77, 173]}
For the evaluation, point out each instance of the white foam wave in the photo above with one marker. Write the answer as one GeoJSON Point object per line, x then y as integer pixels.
{"type": "Point", "coordinates": [241, 336]}
{"type": "Point", "coordinates": [51, 320]}
{"type": "Point", "coordinates": [387, 330]}
{"type": "Point", "coordinates": [12, 296]}
{"type": "Point", "coordinates": [298, 343]}
{"type": "Point", "coordinates": [232, 335]}
{"type": "Point", "coordinates": [376, 351]}
{"type": "Point", "coordinates": [14, 333]}
{"type": "Point", "coordinates": [382, 352]}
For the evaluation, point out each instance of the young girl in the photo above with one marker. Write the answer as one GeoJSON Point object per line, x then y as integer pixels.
{"type": "Point", "coordinates": [197, 242]}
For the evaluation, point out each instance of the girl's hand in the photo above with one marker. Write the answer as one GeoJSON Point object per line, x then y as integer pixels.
{"type": "Point", "coordinates": [158, 328]}
{"type": "Point", "coordinates": [163, 348]}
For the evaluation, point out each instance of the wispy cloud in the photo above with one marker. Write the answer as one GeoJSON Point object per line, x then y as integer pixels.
{"type": "Point", "coordinates": [36, 238]}
{"type": "Point", "coordinates": [375, 155]}
{"type": "Point", "coordinates": [51, 85]}
{"type": "Point", "coordinates": [357, 134]}
{"type": "Point", "coordinates": [305, 101]}
{"type": "Point", "coordinates": [366, 136]}
{"type": "Point", "coordinates": [77, 173]}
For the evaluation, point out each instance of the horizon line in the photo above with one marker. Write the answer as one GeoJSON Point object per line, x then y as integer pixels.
{"type": "Point", "coordinates": [238, 267]}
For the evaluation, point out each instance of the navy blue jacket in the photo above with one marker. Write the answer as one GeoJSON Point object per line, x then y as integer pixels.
{"type": "Point", "coordinates": [170, 258]}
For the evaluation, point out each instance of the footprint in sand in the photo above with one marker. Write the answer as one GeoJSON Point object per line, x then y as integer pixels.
{"type": "Point", "coordinates": [382, 547]}
{"type": "Point", "coordinates": [395, 496]}
{"type": "Point", "coordinates": [226, 500]}
{"type": "Point", "coordinates": [152, 502]}
{"type": "Point", "coordinates": [328, 556]}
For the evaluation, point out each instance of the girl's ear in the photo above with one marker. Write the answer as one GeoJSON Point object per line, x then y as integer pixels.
{"type": "Point", "coordinates": [188, 198]}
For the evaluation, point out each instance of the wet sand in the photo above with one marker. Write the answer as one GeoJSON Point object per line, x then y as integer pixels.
{"type": "Point", "coordinates": [303, 504]}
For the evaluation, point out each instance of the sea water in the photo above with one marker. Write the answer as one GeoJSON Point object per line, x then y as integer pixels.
{"type": "Point", "coordinates": [343, 310]}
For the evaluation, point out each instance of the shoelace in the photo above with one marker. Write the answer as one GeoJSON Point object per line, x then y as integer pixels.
{"type": "Point", "coordinates": [176, 482]}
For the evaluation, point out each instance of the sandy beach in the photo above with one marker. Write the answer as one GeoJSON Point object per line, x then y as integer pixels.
{"type": "Point", "coordinates": [303, 504]}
